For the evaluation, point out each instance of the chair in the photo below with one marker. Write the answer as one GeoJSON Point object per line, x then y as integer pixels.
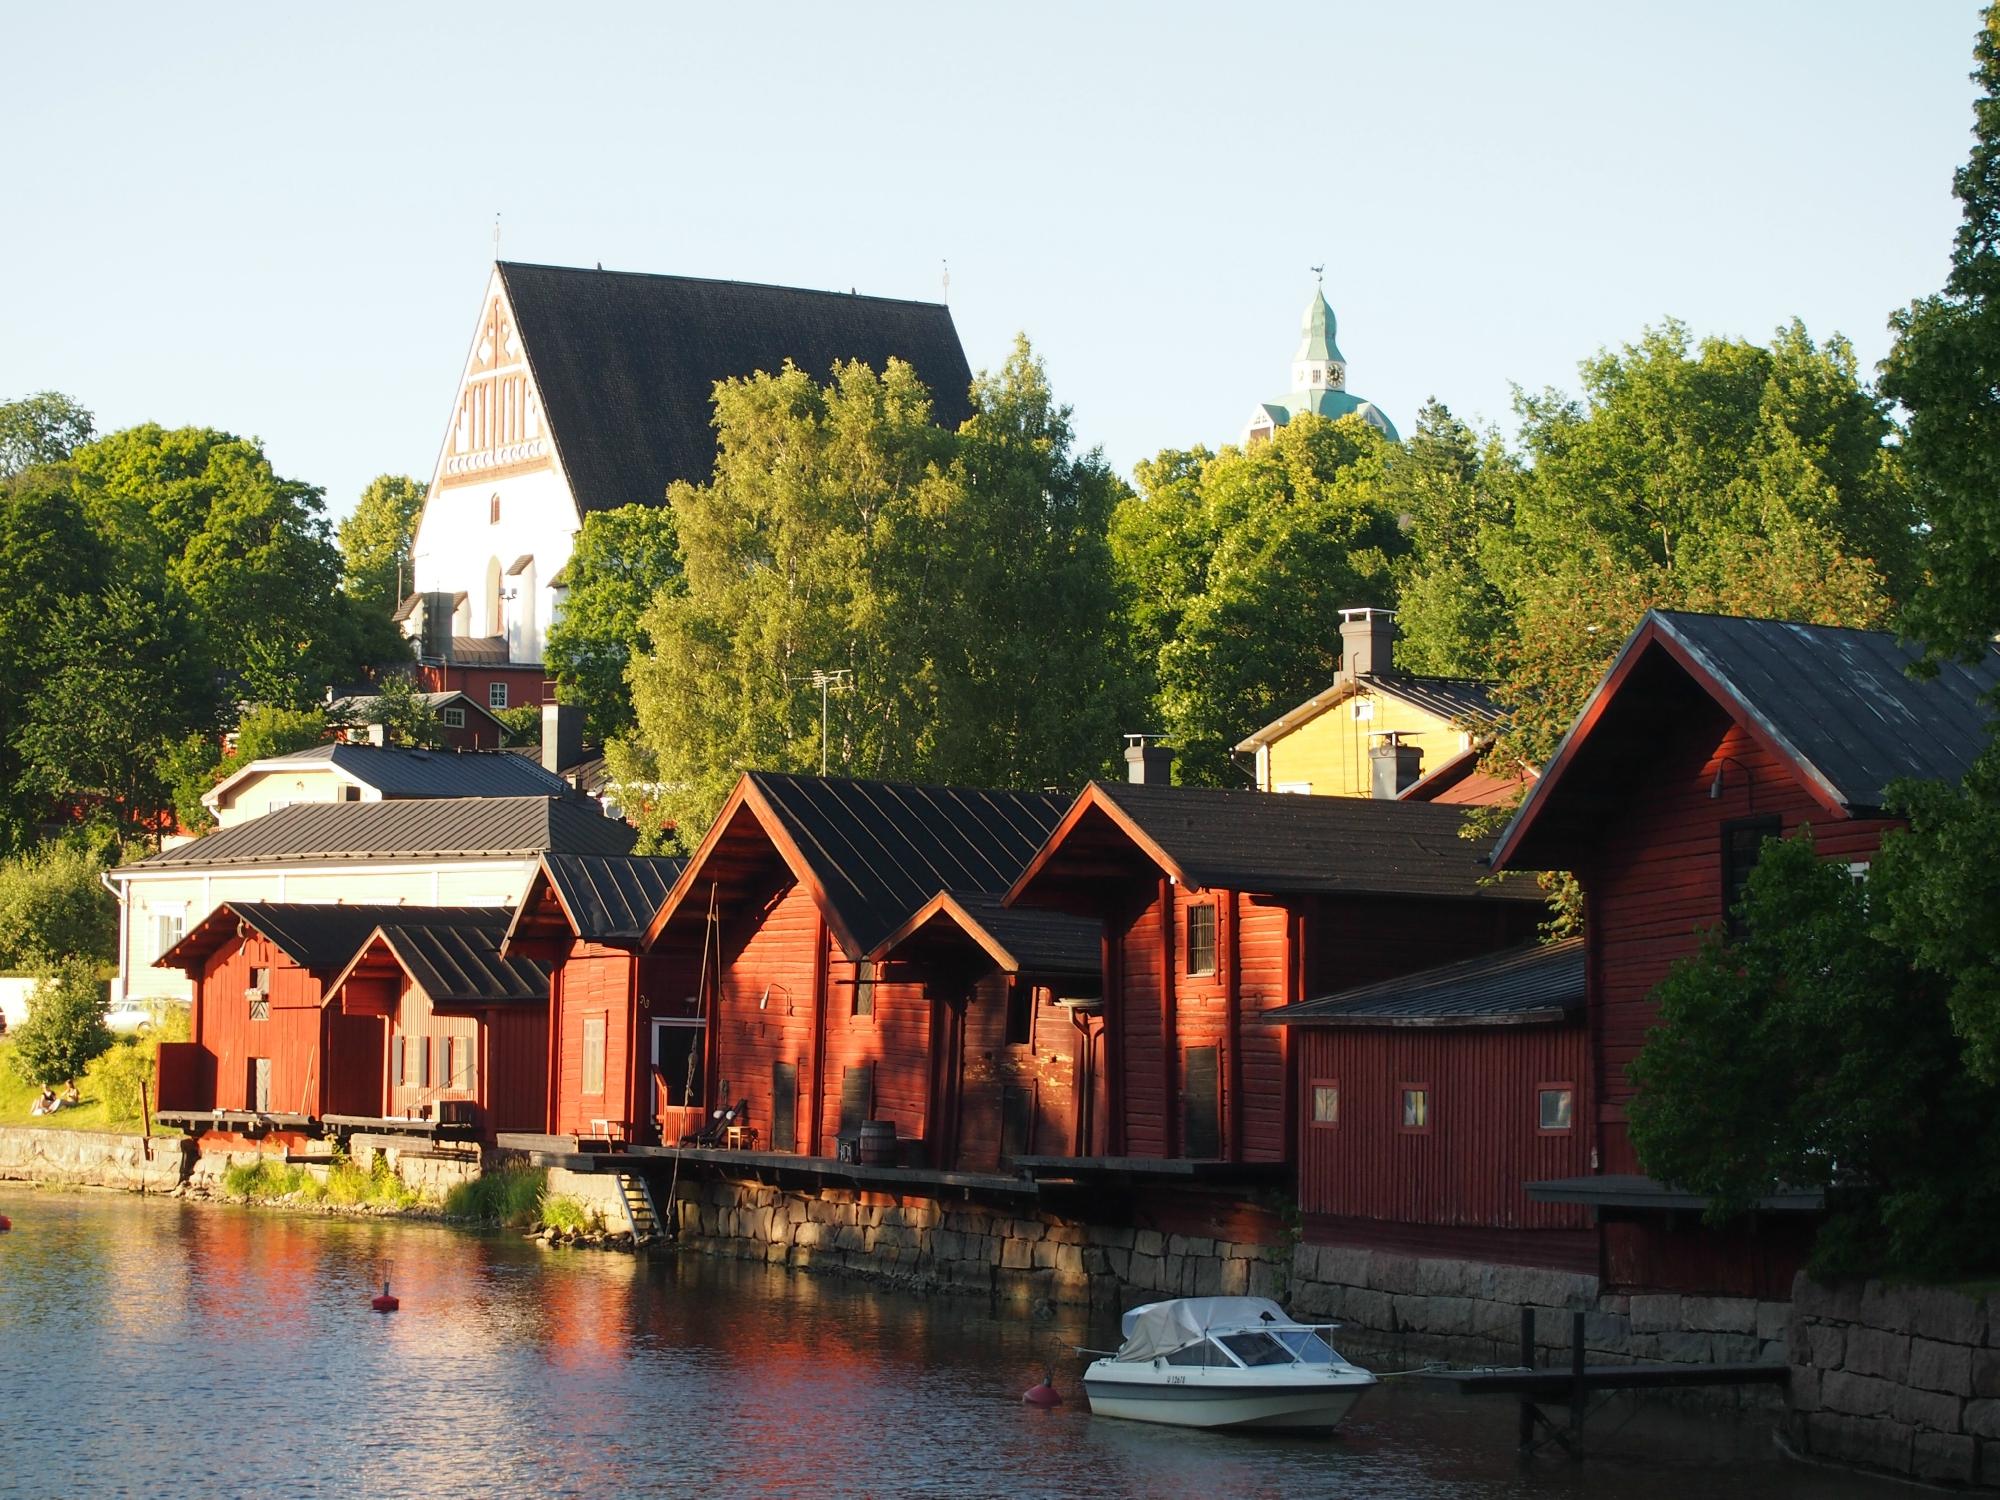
{"type": "Point", "coordinates": [715, 1134]}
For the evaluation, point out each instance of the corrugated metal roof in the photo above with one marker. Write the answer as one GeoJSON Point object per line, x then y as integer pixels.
{"type": "Point", "coordinates": [460, 964]}
{"type": "Point", "coordinates": [1535, 982]}
{"type": "Point", "coordinates": [395, 771]}
{"type": "Point", "coordinates": [412, 828]}
{"type": "Point", "coordinates": [1042, 941]}
{"type": "Point", "coordinates": [881, 849]}
{"type": "Point", "coordinates": [612, 897]}
{"type": "Point", "coordinates": [1842, 701]}
{"type": "Point", "coordinates": [1258, 841]}
{"type": "Point", "coordinates": [322, 937]}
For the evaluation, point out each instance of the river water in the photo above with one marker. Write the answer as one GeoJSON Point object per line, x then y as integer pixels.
{"type": "Point", "coordinates": [162, 1349]}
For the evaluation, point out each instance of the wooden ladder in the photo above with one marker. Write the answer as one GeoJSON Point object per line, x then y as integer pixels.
{"type": "Point", "coordinates": [640, 1215]}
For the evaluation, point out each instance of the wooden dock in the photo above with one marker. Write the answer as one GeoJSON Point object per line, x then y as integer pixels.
{"type": "Point", "coordinates": [1577, 1385]}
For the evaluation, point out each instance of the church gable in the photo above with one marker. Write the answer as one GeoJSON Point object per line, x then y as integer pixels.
{"type": "Point", "coordinates": [498, 427]}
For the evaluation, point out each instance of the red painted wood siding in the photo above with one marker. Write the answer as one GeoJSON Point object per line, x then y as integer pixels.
{"type": "Point", "coordinates": [514, 1071]}
{"type": "Point", "coordinates": [1655, 883]}
{"type": "Point", "coordinates": [895, 1040]}
{"type": "Point", "coordinates": [1044, 1066]}
{"type": "Point", "coordinates": [291, 1038]}
{"type": "Point", "coordinates": [595, 982]}
{"type": "Point", "coordinates": [1483, 1143]}
{"type": "Point", "coordinates": [764, 1009]}
{"type": "Point", "coordinates": [415, 1022]}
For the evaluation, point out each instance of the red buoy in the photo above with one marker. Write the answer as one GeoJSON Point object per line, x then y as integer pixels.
{"type": "Point", "coordinates": [5, 1223]}
{"type": "Point", "coordinates": [1044, 1394]}
{"type": "Point", "coordinates": [385, 1302]}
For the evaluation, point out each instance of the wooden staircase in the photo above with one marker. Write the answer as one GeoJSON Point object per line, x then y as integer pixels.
{"type": "Point", "coordinates": [641, 1217]}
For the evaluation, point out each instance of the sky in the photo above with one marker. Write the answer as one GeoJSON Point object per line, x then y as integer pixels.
{"type": "Point", "coordinates": [278, 220]}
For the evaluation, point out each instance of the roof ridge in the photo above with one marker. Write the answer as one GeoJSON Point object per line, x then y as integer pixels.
{"type": "Point", "coordinates": [761, 286]}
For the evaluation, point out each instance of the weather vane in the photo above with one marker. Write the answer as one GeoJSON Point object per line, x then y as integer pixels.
{"type": "Point", "coordinates": [1319, 273]}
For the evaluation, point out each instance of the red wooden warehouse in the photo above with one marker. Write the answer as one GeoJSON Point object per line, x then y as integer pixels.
{"type": "Point", "coordinates": [1707, 736]}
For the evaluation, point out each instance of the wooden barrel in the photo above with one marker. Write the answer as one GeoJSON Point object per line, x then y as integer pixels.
{"type": "Point", "coordinates": [878, 1143]}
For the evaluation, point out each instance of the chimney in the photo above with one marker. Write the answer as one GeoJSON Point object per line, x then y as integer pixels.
{"type": "Point", "coordinates": [376, 733]}
{"type": "Point", "coordinates": [1148, 763]}
{"type": "Point", "coordinates": [434, 638]}
{"type": "Point", "coordinates": [562, 736]}
{"type": "Point", "coordinates": [1392, 766]}
{"type": "Point", "coordinates": [1367, 642]}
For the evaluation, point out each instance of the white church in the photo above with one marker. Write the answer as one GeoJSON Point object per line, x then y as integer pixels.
{"type": "Point", "coordinates": [590, 389]}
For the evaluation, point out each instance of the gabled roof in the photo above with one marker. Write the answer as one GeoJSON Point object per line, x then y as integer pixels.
{"type": "Point", "coordinates": [1461, 782]}
{"type": "Point", "coordinates": [1258, 842]}
{"type": "Point", "coordinates": [873, 852]}
{"type": "Point", "coordinates": [627, 363]}
{"type": "Point", "coordinates": [1532, 983]}
{"type": "Point", "coordinates": [607, 898]}
{"type": "Point", "coordinates": [1019, 939]}
{"type": "Point", "coordinates": [1838, 705]}
{"type": "Point", "coordinates": [414, 828]}
{"type": "Point", "coordinates": [397, 772]}
{"type": "Point", "coordinates": [1453, 699]}
{"type": "Point", "coordinates": [458, 964]}
{"type": "Point", "coordinates": [315, 937]}
{"type": "Point", "coordinates": [358, 704]}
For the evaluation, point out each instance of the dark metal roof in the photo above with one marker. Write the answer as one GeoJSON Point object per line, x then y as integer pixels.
{"type": "Point", "coordinates": [397, 772]}
{"type": "Point", "coordinates": [879, 850]}
{"type": "Point", "coordinates": [315, 936]}
{"type": "Point", "coordinates": [1536, 982]}
{"type": "Point", "coordinates": [1842, 702]}
{"type": "Point", "coordinates": [481, 650]}
{"type": "Point", "coordinates": [611, 898]}
{"type": "Point", "coordinates": [627, 363]}
{"type": "Point", "coordinates": [1265, 842]}
{"type": "Point", "coordinates": [460, 964]}
{"type": "Point", "coordinates": [412, 828]}
{"type": "Point", "coordinates": [1041, 941]}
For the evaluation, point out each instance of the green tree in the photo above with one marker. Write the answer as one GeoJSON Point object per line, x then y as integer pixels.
{"type": "Point", "coordinates": [376, 571]}
{"type": "Point", "coordinates": [1941, 371]}
{"type": "Point", "coordinates": [624, 559]}
{"type": "Point", "coordinates": [44, 428]}
{"type": "Point", "coordinates": [1807, 1052]}
{"type": "Point", "coordinates": [523, 723]}
{"type": "Point", "coordinates": [53, 906]}
{"type": "Point", "coordinates": [191, 767]}
{"type": "Point", "coordinates": [65, 1029]}
{"type": "Point", "coordinates": [405, 715]}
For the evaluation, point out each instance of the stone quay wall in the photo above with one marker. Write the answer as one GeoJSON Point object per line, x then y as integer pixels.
{"type": "Point", "coordinates": [1901, 1379]}
{"type": "Point", "coordinates": [92, 1158]}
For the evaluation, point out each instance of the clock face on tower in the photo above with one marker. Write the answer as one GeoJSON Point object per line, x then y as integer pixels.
{"type": "Point", "coordinates": [1335, 374]}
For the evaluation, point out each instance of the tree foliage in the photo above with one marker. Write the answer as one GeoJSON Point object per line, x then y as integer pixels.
{"type": "Point", "coordinates": [44, 428]}
{"type": "Point", "coordinates": [53, 906]}
{"type": "Point", "coordinates": [624, 560]}
{"type": "Point", "coordinates": [960, 577]}
{"type": "Point", "coordinates": [405, 714]}
{"type": "Point", "coordinates": [375, 567]}
{"type": "Point", "coordinates": [65, 1029]}
{"type": "Point", "coordinates": [193, 766]}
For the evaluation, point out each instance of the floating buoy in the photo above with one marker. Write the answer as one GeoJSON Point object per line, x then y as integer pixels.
{"type": "Point", "coordinates": [385, 1302]}
{"type": "Point", "coordinates": [1044, 1394]}
{"type": "Point", "coordinates": [5, 1223]}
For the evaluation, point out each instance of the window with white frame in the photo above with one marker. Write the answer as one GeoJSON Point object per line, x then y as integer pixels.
{"type": "Point", "coordinates": [496, 695]}
{"type": "Point", "coordinates": [169, 923]}
{"type": "Point", "coordinates": [454, 718]}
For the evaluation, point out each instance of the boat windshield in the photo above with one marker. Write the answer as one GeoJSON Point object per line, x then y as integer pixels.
{"type": "Point", "coordinates": [1307, 1345]}
{"type": "Point", "coordinates": [1255, 1349]}
{"type": "Point", "coordinates": [1204, 1355]}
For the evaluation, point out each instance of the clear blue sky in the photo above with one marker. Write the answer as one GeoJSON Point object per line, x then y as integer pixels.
{"type": "Point", "coordinates": [277, 219]}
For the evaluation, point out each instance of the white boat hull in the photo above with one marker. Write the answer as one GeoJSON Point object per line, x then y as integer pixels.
{"type": "Point", "coordinates": [1315, 1406]}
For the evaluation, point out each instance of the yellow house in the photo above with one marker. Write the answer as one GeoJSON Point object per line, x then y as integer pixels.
{"type": "Point", "coordinates": [1375, 731]}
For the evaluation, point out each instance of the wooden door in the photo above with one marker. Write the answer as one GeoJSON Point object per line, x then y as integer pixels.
{"type": "Point", "coordinates": [259, 1090]}
{"type": "Point", "coordinates": [1201, 1121]}
{"type": "Point", "coordinates": [1017, 1111]}
{"type": "Point", "coordinates": [784, 1106]}
{"type": "Point", "coordinates": [857, 1097]}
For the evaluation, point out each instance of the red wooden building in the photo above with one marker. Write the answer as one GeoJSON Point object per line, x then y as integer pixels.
{"type": "Point", "coordinates": [1429, 1102]}
{"type": "Point", "coordinates": [840, 993]}
{"type": "Point", "coordinates": [628, 1038]}
{"type": "Point", "coordinates": [267, 1052]}
{"type": "Point", "coordinates": [459, 1031]}
{"type": "Point", "coordinates": [1706, 736]}
{"type": "Point", "coordinates": [1215, 908]}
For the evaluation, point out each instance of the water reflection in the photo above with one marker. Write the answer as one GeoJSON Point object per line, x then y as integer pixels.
{"type": "Point", "coordinates": [165, 1349]}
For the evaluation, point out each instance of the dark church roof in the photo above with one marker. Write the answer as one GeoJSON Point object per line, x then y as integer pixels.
{"type": "Point", "coordinates": [627, 363]}
{"type": "Point", "coordinates": [1535, 982]}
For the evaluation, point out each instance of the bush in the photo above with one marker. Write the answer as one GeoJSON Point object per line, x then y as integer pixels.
{"type": "Point", "coordinates": [65, 1028]}
{"type": "Point", "coordinates": [263, 1181]}
{"type": "Point", "coordinates": [122, 1076]}
{"type": "Point", "coordinates": [508, 1197]}
{"type": "Point", "coordinates": [571, 1215]}
{"type": "Point", "coordinates": [52, 907]}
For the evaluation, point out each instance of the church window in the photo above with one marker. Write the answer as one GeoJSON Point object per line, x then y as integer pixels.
{"type": "Point", "coordinates": [493, 511]}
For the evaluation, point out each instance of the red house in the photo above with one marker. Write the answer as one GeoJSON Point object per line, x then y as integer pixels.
{"type": "Point", "coordinates": [628, 1039]}
{"type": "Point", "coordinates": [1215, 908]}
{"type": "Point", "coordinates": [460, 1031]}
{"type": "Point", "coordinates": [839, 994]}
{"type": "Point", "coordinates": [267, 1052]}
{"type": "Point", "coordinates": [1428, 1102]}
{"type": "Point", "coordinates": [1706, 736]}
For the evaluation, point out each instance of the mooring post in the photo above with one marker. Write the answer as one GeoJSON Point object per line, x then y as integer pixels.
{"type": "Point", "coordinates": [1579, 1394]}
{"type": "Point", "coordinates": [1527, 1363]}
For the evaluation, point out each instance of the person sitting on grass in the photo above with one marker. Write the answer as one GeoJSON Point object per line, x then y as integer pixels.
{"type": "Point", "coordinates": [46, 1104]}
{"type": "Point", "coordinates": [70, 1097]}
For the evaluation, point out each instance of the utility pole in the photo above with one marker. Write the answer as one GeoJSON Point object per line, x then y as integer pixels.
{"type": "Point", "coordinates": [826, 679]}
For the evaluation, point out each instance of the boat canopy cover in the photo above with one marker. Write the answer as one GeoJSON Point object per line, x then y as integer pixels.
{"type": "Point", "coordinates": [1161, 1327]}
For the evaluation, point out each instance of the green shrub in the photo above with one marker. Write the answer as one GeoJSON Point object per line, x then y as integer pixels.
{"type": "Point", "coordinates": [65, 1029]}
{"type": "Point", "coordinates": [121, 1076]}
{"type": "Point", "coordinates": [52, 907]}
{"type": "Point", "coordinates": [572, 1215]}
{"type": "Point", "coordinates": [509, 1197]}
{"type": "Point", "coordinates": [263, 1181]}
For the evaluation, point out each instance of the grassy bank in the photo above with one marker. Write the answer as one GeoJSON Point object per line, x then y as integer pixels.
{"type": "Point", "coordinates": [109, 1089]}
{"type": "Point", "coordinates": [341, 1185]}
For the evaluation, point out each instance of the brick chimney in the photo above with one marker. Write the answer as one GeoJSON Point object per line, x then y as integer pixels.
{"type": "Point", "coordinates": [1392, 766]}
{"type": "Point", "coordinates": [1367, 642]}
{"type": "Point", "coordinates": [1148, 763]}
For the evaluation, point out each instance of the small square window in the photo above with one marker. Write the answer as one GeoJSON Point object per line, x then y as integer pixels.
{"type": "Point", "coordinates": [496, 695]}
{"type": "Point", "coordinates": [1414, 1111]}
{"type": "Point", "coordinates": [1326, 1102]}
{"type": "Point", "coordinates": [1201, 939]}
{"type": "Point", "coordinates": [260, 994]}
{"type": "Point", "coordinates": [1555, 1108]}
{"type": "Point", "coordinates": [454, 718]}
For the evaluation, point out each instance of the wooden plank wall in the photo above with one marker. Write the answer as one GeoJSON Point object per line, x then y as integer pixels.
{"type": "Point", "coordinates": [594, 981]}
{"type": "Point", "coordinates": [764, 1008]}
{"type": "Point", "coordinates": [1044, 1067]}
{"type": "Point", "coordinates": [415, 1021]}
{"type": "Point", "coordinates": [895, 1039]}
{"type": "Point", "coordinates": [514, 1068]}
{"type": "Point", "coordinates": [291, 1037]}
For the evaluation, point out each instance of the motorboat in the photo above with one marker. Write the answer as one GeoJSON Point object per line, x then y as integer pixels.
{"type": "Point", "coordinates": [1225, 1362]}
